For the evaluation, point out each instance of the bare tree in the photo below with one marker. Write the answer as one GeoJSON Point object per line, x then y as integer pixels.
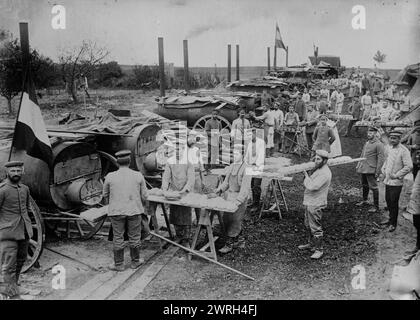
{"type": "Point", "coordinates": [379, 57]}
{"type": "Point", "coordinates": [79, 61]}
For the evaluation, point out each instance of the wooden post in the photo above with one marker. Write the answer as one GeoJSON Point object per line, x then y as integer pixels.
{"type": "Point", "coordinates": [268, 58]}
{"type": "Point", "coordinates": [161, 67]}
{"type": "Point", "coordinates": [237, 62]}
{"type": "Point", "coordinates": [27, 81]}
{"type": "Point", "coordinates": [275, 58]}
{"type": "Point", "coordinates": [287, 56]}
{"type": "Point", "coordinates": [229, 67]}
{"type": "Point", "coordinates": [186, 70]}
{"type": "Point", "coordinates": [24, 45]}
{"type": "Point", "coordinates": [24, 42]}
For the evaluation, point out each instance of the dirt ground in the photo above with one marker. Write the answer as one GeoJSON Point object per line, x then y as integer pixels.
{"type": "Point", "coordinates": [352, 238]}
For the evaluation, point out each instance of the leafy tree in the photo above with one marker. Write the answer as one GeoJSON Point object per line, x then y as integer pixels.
{"type": "Point", "coordinates": [107, 73]}
{"type": "Point", "coordinates": [379, 57]}
{"type": "Point", "coordinates": [10, 71]}
{"type": "Point", "coordinates": [45, 72]}
{"type": "Point", "coordinates": [146, 76]}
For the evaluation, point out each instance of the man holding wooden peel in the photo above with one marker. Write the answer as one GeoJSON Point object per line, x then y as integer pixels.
{"type": "Point", "coordinates": [314, 200]}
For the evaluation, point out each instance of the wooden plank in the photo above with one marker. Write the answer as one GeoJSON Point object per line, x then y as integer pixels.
{"type": "Point", "coordinates": [94, 214]}
{"type": "Point", "coordinates": [148, 275]}
{"type": "Point", "coordinates": [108, 288]}
{"type": "Point", "coordinates": [89, 287]}
{"type": "Point", "coordinates": [185, 203]}
{"type": "Point", "coordinates": [204, 248]}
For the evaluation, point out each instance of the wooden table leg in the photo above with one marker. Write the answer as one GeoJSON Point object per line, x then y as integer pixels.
{"type": "Point", "coordinates": [282, 196]}
{"type": "Point", "coordinates": [205, 222]}
{"type": "Point", "coordinates": [276, 199]}
{"type": "Point", "coordinates": [211, 241]}
{"type": "Point", "coordinates": [156, 226]}
{"type": "Point", "coordinates": [168, 225]}
{"type": "Point", "coordinates": [195, 238]}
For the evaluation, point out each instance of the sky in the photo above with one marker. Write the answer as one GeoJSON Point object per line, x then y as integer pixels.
{"type": "Point", "coordinates": [129, 29]}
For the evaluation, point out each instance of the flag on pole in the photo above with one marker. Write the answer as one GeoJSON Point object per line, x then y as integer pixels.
{"type": "Point", "coordinates": [30, 132]}
{"type": "Point", "coordinates": [278, 43]}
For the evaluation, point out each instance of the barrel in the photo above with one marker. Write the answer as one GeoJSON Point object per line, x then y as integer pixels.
{"type": "Point", "coordinates": [73, 181]}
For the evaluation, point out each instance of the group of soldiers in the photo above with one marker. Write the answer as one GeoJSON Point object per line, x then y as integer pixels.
{"type": "Point", "coordinates": [126, 193]}
{"type": "Point", "coordinates": [389, 164]}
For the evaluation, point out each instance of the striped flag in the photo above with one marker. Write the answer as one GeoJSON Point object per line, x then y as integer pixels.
{"type": "Point", "coordinates": [30, 132]}
{"type": "Point", "coordinates": [278, 43]}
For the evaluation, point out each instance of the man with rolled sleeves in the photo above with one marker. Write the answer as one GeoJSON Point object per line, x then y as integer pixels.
{"type": "Point", "coordinates": [396, 166]}
{"type": "Point", "coordinates": [314, 200]}
{"type": "Point", "coordinates": [370, 168]}
{"type": "Point", "coordinates": [126, 191]}
{"type": "Point", "coordinates": [15, 228]}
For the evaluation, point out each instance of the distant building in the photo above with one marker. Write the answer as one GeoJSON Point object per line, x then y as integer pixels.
{"type": "Point", "coordinates": [334, 61]}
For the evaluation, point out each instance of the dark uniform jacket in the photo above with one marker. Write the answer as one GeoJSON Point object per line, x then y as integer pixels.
{"type": "Point", "coordinates": [356, 109]}
{"type": "Point", "coordinates": [14, 218]}
{"type": "Point", "coordinates": [300, 109]}
{"type": "Point", "coordinates": [374, 153]}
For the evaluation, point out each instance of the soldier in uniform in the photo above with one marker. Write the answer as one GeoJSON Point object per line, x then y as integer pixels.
{"type": "Point", "coordinates": [15, 228]}
{"type": "Point", "coordinates": [236, 187]}
{"type": "Point", "coordinates": [179, 176]}
{"type": "Point", "coordinates": [314, 200]}
{"type": "Point", "coordinates": [126, 191]}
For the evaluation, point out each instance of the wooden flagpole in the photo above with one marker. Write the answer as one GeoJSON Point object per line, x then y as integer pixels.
{"type": "Point", "coordinates": [24, 46]}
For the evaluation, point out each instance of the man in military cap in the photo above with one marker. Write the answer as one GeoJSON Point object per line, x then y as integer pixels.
{"type": "Point", "coordinates": [396, 166]}
{"type": "Point", "coordinates": [314, 200]}
{"type": "Point", "coordinates": [15, 228]}
{"type": "Point", "coordinates": [370, 168]}
{"type": "Point", "coordinates": [126, 191]}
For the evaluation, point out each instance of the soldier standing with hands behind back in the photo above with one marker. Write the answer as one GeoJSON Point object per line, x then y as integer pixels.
{"type": "Point", "coordinates": [15, 229]}
{"type": "Point", "coordinates": [370, 169]}
{"type": "Point", "coordinates": [126, 191]}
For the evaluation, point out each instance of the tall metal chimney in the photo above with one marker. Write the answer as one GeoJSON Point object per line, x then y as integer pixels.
{"type": "Point", "coordinates": [229, 66]}
{"type": "Point", "coordinates": [186, 70]}
{"type": "Point", "coordinates": [161, 67]}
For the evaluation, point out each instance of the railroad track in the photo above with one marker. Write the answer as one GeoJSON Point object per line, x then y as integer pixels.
{"type": "Point", "coordinates": [126, 285]}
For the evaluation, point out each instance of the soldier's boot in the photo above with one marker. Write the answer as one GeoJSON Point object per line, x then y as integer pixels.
{"type": "Point", "coordinates": [375, 207]}
{"type": "Point", "coordinates": [318, 248]}
{"type": "Point", "coordinates": [228, 247]}
{"type": "Point", "coordinates": [306, 246]}
{"type": "Point", "coordinates": [256, 200]}
{"type": "Point", "coordinates": [239, 241]}
{"type": "Point", "coordinates": [23, 290]}
{"type": "Point", "coordinates": [118, 261]}
{"type": "Point", "coordinates": [136, 261]}
{"type": "Point", "coordinates": [185, 236]}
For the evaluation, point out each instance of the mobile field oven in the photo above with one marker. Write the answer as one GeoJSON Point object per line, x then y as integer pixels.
{"type": "Point", "coordinates": [68, 198]}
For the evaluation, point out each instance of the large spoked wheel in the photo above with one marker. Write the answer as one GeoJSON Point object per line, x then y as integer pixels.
{"type": "Point", "coordinates": [200, 123]}
{"type": "Point", "coordinates": [36, 242]}
{"type": "Point", "coordinates": [74, 228]}
{"type": "Point", "coordinates": [224, 139]}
